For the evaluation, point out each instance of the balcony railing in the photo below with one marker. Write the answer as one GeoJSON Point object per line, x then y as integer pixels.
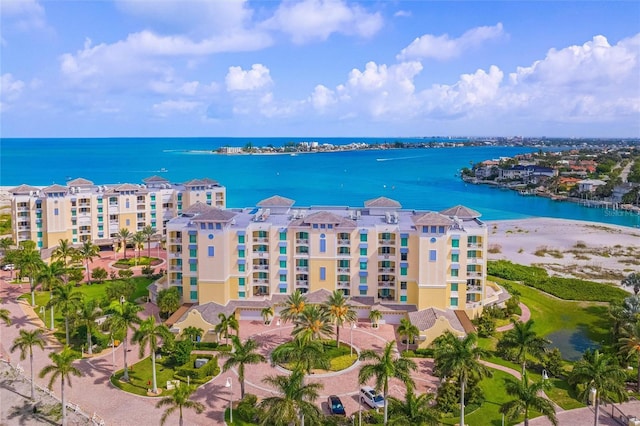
{"type": "Point", "coordinates": [474, 245]}
{"type": "Point", "coordinates": [261, 240]}
{"type": "Point", "coordinates": [344, 284]}
{"type": "Point", "coordinates": [258, 267]}
{"type": "Point", "coordinates": [474, 289]}
{"type": "Point", "coordinates": [260, 281]}
{"type": "Point", "coordinates": [386, 284]}
{"type": "Point", "coordinates": [304, 241]}
{"type": "Point", "coordinates": [302, 269]}
{"type": "Point", "coordinates": [343, 270]}
{"type": "Point", "coordinates": [387, 270]}
{"type": "Point", "coordinates": [473, 274]}
{"type": "Point", "coordinates": [302, 283]}
{"type": "Point", "coordinates": [344, 242]}
{"type": "Point", "coordinates": [475, 260]}
{"type": "Point", "coordinates": [386, 242]}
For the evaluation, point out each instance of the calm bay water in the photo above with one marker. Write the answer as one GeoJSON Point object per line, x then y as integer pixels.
{"type": "Point", "coordinates": [418, 178]}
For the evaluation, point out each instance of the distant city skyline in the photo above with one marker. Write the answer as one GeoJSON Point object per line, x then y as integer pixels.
{"type": "Point", "coordinates": [319, 68]}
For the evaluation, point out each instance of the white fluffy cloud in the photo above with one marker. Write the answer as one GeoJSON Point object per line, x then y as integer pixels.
{"type": "Point", "coordinates": [322, 97]}
{"type": "Point", "coordinates": [443, 47]}
{"type": "Point", "coordinates": [311, 20]}
{"type": "Point", "coordinates": [10, 90]}
{"type": "Point", "coordinates": [23, 15]}
{"type": "Point", "coordinates": [258, 77]}
{"type": "Point", "coordinates": [179, 106]}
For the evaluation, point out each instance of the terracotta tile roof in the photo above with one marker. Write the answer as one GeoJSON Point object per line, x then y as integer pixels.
{"type": "Point", "coordinates": [155, 179]}
{"type": "Point", "coordinates": [276, 201]}
{"type": "Point", "coordinates": [55, 188]}
{"type": "Point", "coordinates": [426, 318]}
{"type": "Point", "coordinates": [382, 202]}
{"type": "Point", "coordinates": [79, 182]}
{"type": "Point", "coordinates": [465, 321]}
{"type": "Point", "coordinates": [23, 189]}
{"type": "Point", "coordinates": [177, 315]}
{"type": "Point", "coordinates": [431, 218]}
{"type": "Point", "coordinates": [461, 212]}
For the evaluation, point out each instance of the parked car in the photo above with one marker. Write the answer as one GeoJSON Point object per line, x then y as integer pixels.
{"type": "Point", "coordinates": [9, 267]}
{"type": "Point", "coordinates": [335, 405]}
{"type": "Point", "coordinates": [369, 396]}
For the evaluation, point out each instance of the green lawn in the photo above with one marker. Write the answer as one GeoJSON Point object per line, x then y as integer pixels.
{"type": "Point", "coordinates": [551, 314]}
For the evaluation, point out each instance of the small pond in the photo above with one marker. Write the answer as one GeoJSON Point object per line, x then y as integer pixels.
{"type": "Point", "coordinates": [572, 343]}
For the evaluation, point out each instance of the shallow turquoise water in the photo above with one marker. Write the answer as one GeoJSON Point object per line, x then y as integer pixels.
{"type": "Point", "coordinates": [418, 178]}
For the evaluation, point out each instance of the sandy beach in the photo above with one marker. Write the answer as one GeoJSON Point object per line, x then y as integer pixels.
{"type": "Point", "coordinates": [589, 250]}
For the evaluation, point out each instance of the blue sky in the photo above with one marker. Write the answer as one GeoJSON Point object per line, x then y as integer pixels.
{"type": "Point", "coordinates": [319, 68]}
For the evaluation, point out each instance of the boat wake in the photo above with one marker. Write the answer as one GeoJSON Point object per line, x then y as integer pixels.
{"type": "Point", "coordinates": [400, 158]}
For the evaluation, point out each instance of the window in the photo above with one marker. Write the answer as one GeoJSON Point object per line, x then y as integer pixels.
{"type": "Point", "coordinates": [100, 219]}
{"type": "Point", "coordinates": [403, 285]}
{"type": "Point", "coordinates": [241, 268]}
{"type": "Point", "coordinates": [241, 239]}
{"type": "Point", "coordinates": [441, 229]}
{"type": "Point", "coordinates": [472, 239]}
{"type": "Point", "coordinates": [471, 254]}
{"type": "Point", "coordinates": [283, 236]}
{"type": "Point", "coordinates": [241, 282]}
{"type": "Point", "coordinates": [193, 280]}
{"type": "Point", "coordinates": [193, 253]}
{"type": "Point", "coordinates": [363, 266]}
{"type": "Point", "coordinates": [323, 273]}
{"type": "Point", "coordinates": [210, 251]}
{"type": "Point", "coordinates": [425, 229]}
{"type": "Point", "coordinates": [56, 211]}
{"type": "Point", "coordinates": [283, 289]}
{"type": "Point", "coordinates": [363, 252]}
{"type": "Point", "coordinates": [343, 264]}
{"type": "Point", "coordinates": [454, 287]}
{"type": "Point", "coordinates": [192, 239]}
{"type": "Point", "coordinates": [323, 245]}
{"type": "Point", "coordinates": [283, 250]}
{"type": "Point", "coordinates": [403, 271]}
{"type": "Point", "coordinates": [241, 295]}
{"type": "Point", "coordinates": [403, 298]}
{"type": "Point", "coordinates": [153, 197]}
{"type": "Point", "coordinates": [453, 301]}
{"type": "Point", "coordinates": [128, 222]}
{"type": "Point", "coordinates": [315, 226]}
{"type": "Point", "coordinates": [403, 256]}
{"type": "Point", "coordinates": [454, 272]}
{"type": "Point", "coordinates": [193, 295]}
{"type": "Point", "coordinates": [455, 243]}
{"type": "Point", "coordinates": [455, 258]}
{"type": "Point", "coordinates": [193, 267]}
{"type": "Point", "coordinates": [99, 202]}
{"type": "Point", "coordinates": [126, 203]}
{"type": "Point", "coordinates": [203, 226]}
{"type": "Point", "coordinates": [283, 263]}
{"type": "Point", "coordinates": [432, 255]}
{"type": "Point", "coordinates": [74, 231]}
{"type": "Point", "coordinates": [241, 254]}
{"type": "Point", "coordinates": [363, 238]}
{"type": "Point", "coordinates": [404, 242]}
{"type": "Point", "coordinates": [363, 292]}
{"type": "Point", "coordinates": [218, 226]}
{"type": "Point", "coordinates": [283, 278]}
{"type": "Point", "coordinates": [39, 234]}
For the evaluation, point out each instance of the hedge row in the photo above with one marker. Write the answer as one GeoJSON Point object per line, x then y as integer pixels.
{"type": "Point", "coordinates": [564, 288]}
{"type": "Point", "coordinates": [209, 369]}
{"type": "Point", "coordinates": [212, 346]}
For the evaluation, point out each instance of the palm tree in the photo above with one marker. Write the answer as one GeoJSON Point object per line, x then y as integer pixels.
{"type": "Point", "coordinates": [312, 323]}
{"type": "Point", "coordinates": [339, 311]}
{"type": "Point", "coordinates": [124, 236]}
{"type": "Point", "coordinates": [63, 252]}
{"type": "Point", "coordinates": [29, 262]}
{"type": "Point", "coordinates": [5, 244]}
{"type": "Point", "coordinates": [384, 367]}
{"type": "Point", "coordinates": [599, 372]}
{"type": "Point", "coordinates": [88, 252]}
{"type": "Point", "coordinates": [293, 306]}
{"type": "Point", "coordinates": [527, 397]}
{"type": "Point", "coordinates": [295, 399]}
{"type": "Point", "coordinates": [62, 367]}
{"type": "Point", "coordinates": [459, 358]}
{"type": "Point", "coordinates": [524, 341]}
{"type": "Point", "coordinates": [375, 316]}
{"type": "Point", "coordinates": [193, 333]}
{"type": "Point", "coordinates": [49, 277]}
{"type": "Point", "coordinates": [179, 400]}
{"type": "Point", "coordinates": [138, 241]}
{"type": "Point", "coordinates": [148, 334]}
{"type": "Point", "coordinates": [67, 300]}
{"type": "Point", "coordinates": [632, 280]}
{"type": "Point", "coordinates": [241, 355]}
{"type": "Point", "coordinates": [415, 410]}
{"type": "Point", "coordinates": [5, 316]}
{"type": "Point", "coordinates": [87, 315]}
{"type": "Point", "coordinates": [148, 232]}
{"type": "Point", "coordinates": [305, 355]}
{"type": "Point", "coordinates": [408, 330]}
{"type": "Point", "coordinates": [267, 314]}
{"type": "Point", "coordinates": [26, 342]}
{"type": "Point", "coordinates": [226, 323]}
{"type": "Point", "coordinates": [123, 317]}
{"type": "Point", "coordinates": [630, 344]}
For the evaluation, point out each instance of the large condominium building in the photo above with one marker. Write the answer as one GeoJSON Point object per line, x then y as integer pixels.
{"type": "Point", "coordinates": [379, 253]}
{"type": "Point", "coordinates": [82, 211]}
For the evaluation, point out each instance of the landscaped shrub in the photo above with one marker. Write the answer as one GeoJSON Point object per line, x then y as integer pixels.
{"type": "Point", "coordinates": [564, 288]}
{"type": "Point", "coordinates": [198, 374]}
{"type": "Point", "coordinates": [182, 352]}
{"type": "Point", "coordinates": [212, 346]}
{"type": "Point", "coordinates": [248, 409]}
{"type": "Point", "coordinates": [125, 273]}
{"type": "Point", "coordinates": [99, 274]}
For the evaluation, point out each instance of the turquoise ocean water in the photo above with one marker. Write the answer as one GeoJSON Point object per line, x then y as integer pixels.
{"type": "Point", "coordinates": [418, 178]}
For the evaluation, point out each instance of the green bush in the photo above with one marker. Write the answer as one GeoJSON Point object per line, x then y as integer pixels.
{"type": "Point", "coordinates": [563, 288]}
{"type": "Point", "coordinates": [247, 409]}
{"type": "Point", "coordinates": [182, 352]}
{"type": "Point", "coordinates": [208, 370]}
{"type": "Point", "coordinates": [212, 346]}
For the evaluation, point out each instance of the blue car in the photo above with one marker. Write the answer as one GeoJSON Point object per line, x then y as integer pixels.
{"type": "Point", "coordinates": [335, 406]}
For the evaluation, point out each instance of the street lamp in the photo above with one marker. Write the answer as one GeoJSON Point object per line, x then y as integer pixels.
{"type": "Point", "coordinates": [122, 299]}
{"type": "Point", "coordinates": [353, 325]}
{"type": "Point", "coordinates": [113, 354]}
{"type": "Point", "coordinates": [279, 329]}
{"type": "Point", "coordinates": [229, 384]}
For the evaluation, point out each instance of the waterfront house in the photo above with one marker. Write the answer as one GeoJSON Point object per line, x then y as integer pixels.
{"type": "Point", "coordinates": [590, 185]}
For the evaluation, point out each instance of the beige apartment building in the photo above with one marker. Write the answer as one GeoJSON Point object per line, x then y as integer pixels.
{"type": "Point", "coordinates": [378, 254]}
{"type": "Point", "coordinates": [83, 211]}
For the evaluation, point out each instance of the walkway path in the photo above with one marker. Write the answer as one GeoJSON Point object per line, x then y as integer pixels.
{"type": "Point", "coordinates": [524, 317]}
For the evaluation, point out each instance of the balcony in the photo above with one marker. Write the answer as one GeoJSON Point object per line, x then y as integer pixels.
{"type": "Point", "coordinates": [141, 206]}
{"type": "Point", "coordinates": [261, 254]}
{"type": "Point", "coordinates": [474, 245]}
{"type": "Point", "coordinates": [302, 269]}
{"type": "Point", "coordinates": [258, 267]}
{"type": "Point", "coordinates": [84, 204]}
{"type": "Point", "coordinates": [175, 267]}
{"type": "Point", "coordinates": [175, 254]}
{"type": "Point", "coordinates": [175, 241]}
{"type": "Point", "coordinates": [302, 283]}
{"type": "Point", "coordinates": [343, 242]}
{"type": "Point", "coordinates": [343, 270]}
{"type": "Point", "coordinates": [473, 274]}
{"type": "Point", "coordinates": [475, 260]}
{"type": "Point", "coordinates": [344, 284]}
{"type": "Point", "coordinates": [259, 281]}
{"type": "Point", "coordinates": [261, 240]}
{"type": "Point", "coordinates": [24, 228]}
{"type": "Point", "coordinates": [474, 289]}
{"type": "Point", "coordinates": [386, 284]}
{"type": "Point", "coordinates": [387, 242]}
{"type": "Point", "coordinates": [387, 270]}
{"type": "Point", "coordinates": [304, 241]}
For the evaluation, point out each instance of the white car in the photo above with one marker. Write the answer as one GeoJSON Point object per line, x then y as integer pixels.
{"type": "Point", "coordinates": [369, 396]}
{"type": "Point", "coordinates": [8, 267]}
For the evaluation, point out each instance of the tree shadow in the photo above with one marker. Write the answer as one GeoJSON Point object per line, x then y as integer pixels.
{"type": "Point", "coordinates": [23, 321]}
{"type": "Point", "coordinates": [24, 414]}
